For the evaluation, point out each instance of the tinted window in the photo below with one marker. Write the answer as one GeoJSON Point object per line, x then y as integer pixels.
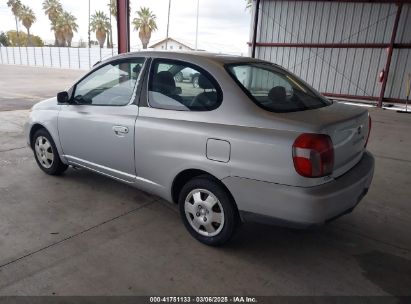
{"type": "Point", "coordinates": [274, 89]}
{"type": "Point", "coordinates": [180, 86]}
{"type": "Point", "coordinates": [111, 85]}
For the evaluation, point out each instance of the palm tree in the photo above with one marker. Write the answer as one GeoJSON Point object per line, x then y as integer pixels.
{"type": "Point", "coordinates": [113, 12]}
{"type": "Point", "coordinates": [249, 4]}
{"type": "Point", "coordinates": [101, 25]}
{"type": "Point", "coordinates": [58, 30]}
{"type": "Point", "coordinates": [53, 9]}
{"type": "Point", "coordinates": [66, 26]}
{"type": "Point", "coordinates": [113, 8]}
{"type": "Point", "coordinates": [15, 6]}
{"type": "Point", "coordinates": [145, 23]}
{"type": "Point", "coordinates": [27, 17]}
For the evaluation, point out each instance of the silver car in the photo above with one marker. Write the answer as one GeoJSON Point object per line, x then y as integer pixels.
{"type": "Point", "coordinates": [252, 142]}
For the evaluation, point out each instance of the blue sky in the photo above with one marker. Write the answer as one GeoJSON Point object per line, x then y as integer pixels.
{"type": "Point", "coordinates": [224, 26]}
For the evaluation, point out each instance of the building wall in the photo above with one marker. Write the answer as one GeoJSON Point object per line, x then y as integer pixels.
{"type": "Point", "coordinates": [171, 45]}
{"type": "Point", "coordinates": [349, 71]}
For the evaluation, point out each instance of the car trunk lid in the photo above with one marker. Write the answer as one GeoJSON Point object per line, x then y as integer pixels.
{"type": "Point", "coordinates": [346, 125]}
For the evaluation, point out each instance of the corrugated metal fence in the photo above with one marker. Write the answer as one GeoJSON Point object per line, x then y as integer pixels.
{"type": "Point", "coordinates": [69, 58]}
{"type": "Point", "coordinates": [339, 47]}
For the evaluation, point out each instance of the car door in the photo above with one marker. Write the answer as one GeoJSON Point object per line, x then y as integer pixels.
{"type": "Point", "coordinates": [96, 128]}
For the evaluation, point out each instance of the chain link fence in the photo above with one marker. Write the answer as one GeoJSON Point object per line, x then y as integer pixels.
{"type": "Point", "coordinates": [55, 57]}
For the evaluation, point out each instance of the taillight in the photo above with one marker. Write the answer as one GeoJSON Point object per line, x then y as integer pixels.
{"type": "Point", "coordinates": [369, 130]}
{"type": "Point", "coordinates": [313, 155]}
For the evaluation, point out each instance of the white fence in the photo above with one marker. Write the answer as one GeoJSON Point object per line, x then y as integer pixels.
{"type": "Point", "coordinates": [56, 57]}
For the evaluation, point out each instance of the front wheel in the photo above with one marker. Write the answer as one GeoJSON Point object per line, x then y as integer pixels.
{"type": "Point", "coordinates": [46, 155]}
{"type": "Point", "coordinates": [195, 82]}
{"type": "Point", "coordinates": [208, 211]}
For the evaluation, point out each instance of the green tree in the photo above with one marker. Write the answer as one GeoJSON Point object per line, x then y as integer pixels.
{"type": "Point", "coordinates": [15, 6]}
{"type": "Point", "coordinates": [22, 39]}
{"type": "Point", "coordinates": [53, 9]}
{"type": "Point", "coordinates": [145, 23]}
{"type": "Point", "coordinates": [27, 17]}
{"type": "Point", "coordinates": [101, 25]}
{"type": "Point", "coordinates": [4, 40]}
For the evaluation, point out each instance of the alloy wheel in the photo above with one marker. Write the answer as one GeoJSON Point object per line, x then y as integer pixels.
{"type": "Point", "coordinates": [204, 212]}
{"type": "Point", "coordinates": [44, 152]}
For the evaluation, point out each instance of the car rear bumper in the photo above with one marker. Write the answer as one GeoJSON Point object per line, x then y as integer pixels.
{"type": "Point", "coordinates": [298, 206]}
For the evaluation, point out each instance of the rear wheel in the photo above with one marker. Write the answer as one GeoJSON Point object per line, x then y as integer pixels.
{"type": "Point", "coordinates": [178, 77]}
{"type": "Point", "coordinates": [46, 154]}
{"type": "Point", "coordinates": [208, 211]}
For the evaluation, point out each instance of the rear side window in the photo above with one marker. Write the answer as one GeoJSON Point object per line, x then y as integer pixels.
{"type": "Point", "coordinates": [175, 85]}
{"type": "Point", "coordinates": [274, 89]}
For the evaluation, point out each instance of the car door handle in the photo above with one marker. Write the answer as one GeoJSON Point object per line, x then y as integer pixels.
{"type": "Point", "coordinates": [120, 130]}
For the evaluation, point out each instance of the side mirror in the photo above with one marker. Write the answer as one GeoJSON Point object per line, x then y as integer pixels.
{"type": "Point", "coordinates": [62, 97]}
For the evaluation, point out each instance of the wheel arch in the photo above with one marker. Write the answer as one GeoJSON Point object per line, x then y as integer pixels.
{"type": "Point", "coordinates": [184, 176]}
{"type": "Point", "coordinates": [34, 128]}
{"type": "Point", "coordinates": [38, 126]}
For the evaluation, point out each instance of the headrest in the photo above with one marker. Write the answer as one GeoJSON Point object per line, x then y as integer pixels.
{"type": "Point", "coordinates": [204, 83]}
{"type": "Point", "coordinates": [137, 69]}
{"type": "Point", "coordinates": [277, 94]}
{"type": "Point", "coordinates": [164, 82]}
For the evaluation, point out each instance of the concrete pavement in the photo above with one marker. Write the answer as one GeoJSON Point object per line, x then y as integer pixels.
{"type": "Point", "coordinates": [85, 234]}
{"type": "Point", "coordinates": [23, 86]}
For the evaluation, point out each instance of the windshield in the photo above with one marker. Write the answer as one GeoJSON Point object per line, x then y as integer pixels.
{"type": "Point", "coordinates": [275, 89]}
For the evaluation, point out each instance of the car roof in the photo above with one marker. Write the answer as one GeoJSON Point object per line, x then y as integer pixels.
{"type": "Point", "coordinates": [190, 55]}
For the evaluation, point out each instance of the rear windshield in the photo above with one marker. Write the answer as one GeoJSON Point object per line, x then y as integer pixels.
{"type": "Point", "coordinates": [275, 89]}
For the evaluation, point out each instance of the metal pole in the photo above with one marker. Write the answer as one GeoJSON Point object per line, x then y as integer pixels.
{"type": "Point", "coordinates": [27, 55]}
{"type": "Point", "coordinates": [408, 89]}
{"type": "Point", "coordinates": [123, 26]}
{"type": "Point", "coordinates": [35, 60]}
{"type": "Point", "coordinates": [68, 51]}
{"type": "Point", "coordinates": [78, 56]}
{"type": "Point", "coordinates": [42, 56]}
{"type": "Point", "coordinates": [18, 38]}
{"type": "Point", "coordinates": [256, 9]}
{"type": "Point", "coordinates": [89, 42]}
{"type": "Point", "coordinates": [7, 55]}
{"type": "Point", "coordinates": [389, 55]}
{"type": "Point", "coordinates": [168, 21]}
{"type": "Point", "coordinates": [51, 58]}
{"type": "Point", "coordinates": [111, 31]}
{"type": "Point", "coordinates": [59, 58]}
{"type": "Point", "coordinates": [198, 8]}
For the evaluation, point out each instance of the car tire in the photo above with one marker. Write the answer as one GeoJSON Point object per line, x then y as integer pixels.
{"type": "Point", "coordinates": [46, 154]}
{"type": "Point", "coordinates": [208, 211]}
{"type": "Point", "coordinates": [195, 82]}
{"type": "Point", "coordinates": [178, 77]}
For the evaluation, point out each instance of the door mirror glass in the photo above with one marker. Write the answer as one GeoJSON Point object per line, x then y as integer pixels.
{"type": "Point", "coordinates": [62, 97]}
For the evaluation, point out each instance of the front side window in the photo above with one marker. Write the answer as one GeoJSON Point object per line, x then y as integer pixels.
{"type": "Point", "coordinates": [274, 89]}
{"type": "Point", "coordinates": [176, 85]}
{"type": "Point", "coordinates": [111, 85]}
